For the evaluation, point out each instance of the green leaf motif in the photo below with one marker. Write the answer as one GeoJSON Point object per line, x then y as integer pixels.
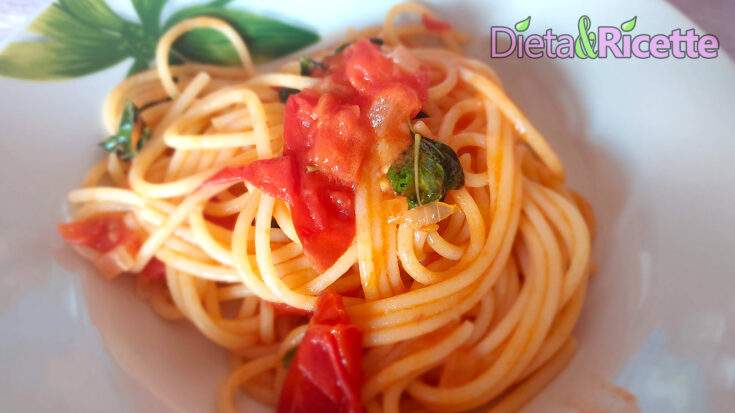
{"type": "Point", "coordinates": [95, 13]}
{"type": "Point", "coordinates": [79, 37]}
{"type": "Point", "coordinates": [629, 25]}
{"type": "Point", "coordinates": [266, 38]}
{"type": "Point", "coordinates": [149, 13]}
{"type": "Point", "coordinates": [522, 25]}
{"type": "Point", "coordinates": [54, 60]}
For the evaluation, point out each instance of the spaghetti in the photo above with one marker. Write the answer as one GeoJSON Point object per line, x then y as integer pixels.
{"type": "Point", "coordinates": [474, 307]}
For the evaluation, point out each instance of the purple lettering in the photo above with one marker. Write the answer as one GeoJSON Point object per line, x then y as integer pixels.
{"type": "Point", "coordinates": [626, 46]}
{"type": "Point", "coordinates": [690, 38]}
{"type": "Point", "coordinates": [549, 39]}
{"type": "Point", "coordinates": [519, 49]}
{"type": "Point", "coordinates": [495, 41]}
{"type": "Point", "coordinates": [608, 38]}
{"type": "Point", "coordinates": [708, 46]}
{"type": "Point", "coordinates": [676, 44]}
{"type": "Point", "coordinates": [565, 47]}
{"type": "Point", "coordinates": [534, 46]}
{"type": "Point", "coordinates": [636, 46]}
{"type": "Point", "coordinates": [659, 46]}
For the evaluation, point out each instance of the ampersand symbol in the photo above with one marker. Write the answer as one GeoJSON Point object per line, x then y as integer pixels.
{"type": "Point", "coordinates": [584, 45]}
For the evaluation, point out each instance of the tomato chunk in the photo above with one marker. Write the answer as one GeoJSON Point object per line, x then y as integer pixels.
{"type": "Point", "coordinates": [101, 233]}
{"type": "Point", "coordinates": [326, 373]}
{"type": "Point", "coordinates": [155, 270]}
{"type": "Point", "coordinates": [434, 24]}
{"type": "Point", "coordinates": [105, 234]}
{"type": "Point", "coordinates": [363, 99]}
{"type": "Point", "coordinates": [341, 139]}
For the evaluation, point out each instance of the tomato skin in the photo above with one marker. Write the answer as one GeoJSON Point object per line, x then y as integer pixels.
{"type": "Point", "coordinates": [341, 139]}
{"type": "Point", "coordinates": [105, 232]}
{"type": "Point", "coordinates": [100, 233]}
{"type": "Point", "coordinates": [326, 373]}
{"type": "Point", "coordinates": [433, 24]}
{"type": "Point", "coordinates": [275, 176]}
{"type": "Point", "coordinates": [369, 71]}
{"type": "Point", "coordinates": [155, 270]}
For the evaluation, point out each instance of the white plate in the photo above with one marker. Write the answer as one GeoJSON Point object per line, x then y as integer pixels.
{"type": "Point", "coordinates": [648, 141]}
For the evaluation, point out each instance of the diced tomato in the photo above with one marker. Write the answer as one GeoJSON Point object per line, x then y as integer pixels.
{"type": "Point", "coordinates": [369, 71]}
{"type": "Point", "coordinates": [363, 98]}
{"type": "Point", "coordinates": [391, 107]}
{"type": "Point", "coordinates": [434, 24]}
{"type": "Point", "coordinates": [341, 140]}
{"type": "Point", "coordinates": [274, 176]}
{"type": "Point", "coordinates": [155, 270]}
{"type": "Point", "coordinates": [101, 233]}
{"type": "Point", "coordinates": [326, 373]}
{"type": "Point", "coordinates": [325, 224]}
{"type": "Point", "coordinates": [320, 207]}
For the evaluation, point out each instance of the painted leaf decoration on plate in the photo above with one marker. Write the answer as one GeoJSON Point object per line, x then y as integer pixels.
{"type": "Point", "coordinates": [149, 13]}
{"type": "Point", "coordinates": [85, 36]}
{"type": "Point", "coordinates": [94, 13]}
{"type": "Point", "coordinates": [266, 38]}
{"type": "Point", "coordinates": [79, 38]}
{"type": "Point", "coordinates": [59, 23]}
{"type": "Point", "coordinates": [54, 60]}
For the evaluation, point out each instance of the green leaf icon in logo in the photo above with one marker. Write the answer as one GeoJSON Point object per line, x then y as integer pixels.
{"type": "Point", "coordinates": [78, 37]}
{"type": "Point", "coordinates": [629, 25]}
{"type": "Point", "coordinates": [522, 25]}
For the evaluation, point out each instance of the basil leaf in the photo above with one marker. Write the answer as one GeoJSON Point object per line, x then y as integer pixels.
{"type": "Point", "coordinates": [438, 168]}
{"type": "Point", "coordinates": [289, 356]}
{"type": "Point", "coordinates": [120, 143]}
{"type": "Point", "coordinates": [307, 66]}
{"type": "Point", "coordinates": [266, 38]}
{"type": "Point", "coordinates": [285, 92]}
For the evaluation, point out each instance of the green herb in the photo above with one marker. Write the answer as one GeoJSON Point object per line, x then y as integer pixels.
{"type": "Point", "coordinates": [288, 357]}
{"type": "Point", "coordinates": [376, 41]}
{"type": "Point", "coordinates": [285, 92]}
{"type": "Point", "coordinates": [426, 171]}
{"type": "Point", "coordinates": [308, 65]}
{"type": "Point", "coordinates": [421, 115]}
{"type": "Point", "coordinates": [78, 37]}
{"type": "Point", "coordinates": [121, 143]}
